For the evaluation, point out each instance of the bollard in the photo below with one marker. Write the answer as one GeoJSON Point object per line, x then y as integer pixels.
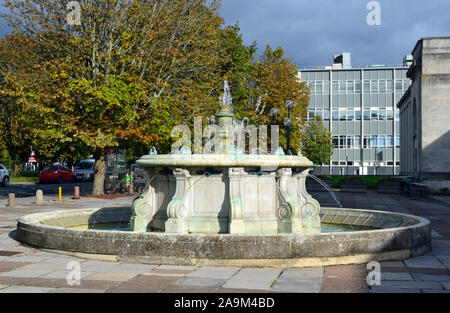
{"type": "Point", "coordinates": [12, 200]}
{"type": "Point", "coordinates": [39, 197]}
{"type": "Point", "coordinates": [60, 194]}
{"type": "Point", "coordinates": [76, 192]}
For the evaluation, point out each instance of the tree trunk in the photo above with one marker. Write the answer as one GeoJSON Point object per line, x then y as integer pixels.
{"type": "Point", "coordinates": [99, 174]}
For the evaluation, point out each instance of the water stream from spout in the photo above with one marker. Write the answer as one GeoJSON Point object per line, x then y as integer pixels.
{"type": "Point", "coordinates": [330, 191]}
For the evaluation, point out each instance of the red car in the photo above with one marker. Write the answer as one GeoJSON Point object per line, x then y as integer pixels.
{"type": "Point", "coordinates": [56, 173]}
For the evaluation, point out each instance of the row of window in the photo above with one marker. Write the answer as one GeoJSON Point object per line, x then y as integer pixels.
{"type": "Point", "coordinates": [351, 163]}
{"type": "Point", "coordinates": [354, 86]}
{"type": "Point", "coordinates": [375, 141]}
{"type": "Point", "coordinates": [355, 114]}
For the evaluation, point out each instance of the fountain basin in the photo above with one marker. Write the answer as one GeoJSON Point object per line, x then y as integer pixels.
{"type": "Point", "coordinates": [395, 237]}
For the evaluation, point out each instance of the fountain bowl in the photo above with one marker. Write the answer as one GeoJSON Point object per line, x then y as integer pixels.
{"type": "Point", "coordinates": [392, 236]}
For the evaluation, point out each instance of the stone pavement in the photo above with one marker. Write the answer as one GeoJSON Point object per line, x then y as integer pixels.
{"type": "Point", "coordinates": [28, 270]}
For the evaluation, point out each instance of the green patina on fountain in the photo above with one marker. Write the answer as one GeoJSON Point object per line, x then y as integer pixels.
{"type": "Point", "coordinates": [226, 191]}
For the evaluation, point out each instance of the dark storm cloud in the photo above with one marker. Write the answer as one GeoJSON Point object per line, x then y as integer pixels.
{"type": "Point", "coordinates": [311, 31]}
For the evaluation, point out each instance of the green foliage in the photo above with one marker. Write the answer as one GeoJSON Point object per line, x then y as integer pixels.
{"type": "Point", "coordinates": [316, 142]}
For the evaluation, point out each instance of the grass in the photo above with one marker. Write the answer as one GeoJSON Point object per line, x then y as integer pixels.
{"type": "Point", "coordinates": [23, 179]}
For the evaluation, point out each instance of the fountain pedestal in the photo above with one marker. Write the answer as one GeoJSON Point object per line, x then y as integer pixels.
{"type": "Point", "coordinates": [227, 194]}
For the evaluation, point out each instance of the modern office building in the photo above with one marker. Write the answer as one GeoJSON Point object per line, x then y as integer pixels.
{"type": "Point", "coordinates": [358, 106]}
{"type": "Point", "coordinates": [425, 114]}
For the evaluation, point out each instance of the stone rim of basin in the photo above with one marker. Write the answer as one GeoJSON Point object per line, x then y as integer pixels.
{"type": "Point", "coordinates": [224, 160]}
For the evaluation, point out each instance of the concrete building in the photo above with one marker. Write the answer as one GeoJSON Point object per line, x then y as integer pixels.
{"type": "Point", "coordinates": [358, 105]}
{"type": "Point", "coordinates": [425, 114]}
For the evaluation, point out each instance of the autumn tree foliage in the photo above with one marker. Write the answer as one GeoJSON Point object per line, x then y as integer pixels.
{"type": "Point", "coordinates": [129, 72]}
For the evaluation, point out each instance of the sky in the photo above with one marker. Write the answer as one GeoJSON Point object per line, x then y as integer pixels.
{"type": "Point", "coordinates": [312, 31]}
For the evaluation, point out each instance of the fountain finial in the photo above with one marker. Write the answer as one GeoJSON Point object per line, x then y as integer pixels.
{"type": "Point", "coordinates": [226, 100]}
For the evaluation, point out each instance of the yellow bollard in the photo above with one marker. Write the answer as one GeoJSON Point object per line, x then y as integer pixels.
{"type": "Point", "coordinates": [60, 194]}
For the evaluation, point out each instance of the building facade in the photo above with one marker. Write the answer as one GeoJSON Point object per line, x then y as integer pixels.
{"type": "Point", "coordinates": [358, 106]}
{"type": "Point", "coordinates": [425, 114]}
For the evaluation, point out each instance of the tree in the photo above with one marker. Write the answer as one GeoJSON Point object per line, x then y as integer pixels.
{"type": "Point", "coordinates": [316, 142]}
{"type": "Point", "coordinates": [272, 79]}
{"type": "Point", "coordinates": [127, 74]}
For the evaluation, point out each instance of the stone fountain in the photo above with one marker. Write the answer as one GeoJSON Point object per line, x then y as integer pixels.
{"type": "Point", "coordinates": [228, 207]}
{"type": "Point", "coordinates": [226, 191]}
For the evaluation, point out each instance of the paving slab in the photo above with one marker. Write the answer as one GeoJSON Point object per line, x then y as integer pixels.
{"type": "Point", "coordinates": [76, 290]}
{"type": "Point", "coordinates": [214, 272]}
{"type": "Point", "coordinates": [395, 276]}
{"type": "Point", "coordinates": [393, 290]}
{"type": "Point", "coordinates": [64, 274]}
{"type": "Point", "coordinates": [341, 284]}
{"type": "Point", "coordinates": [25, 289]}
{"type": "Point", "coordinates": [446, 285]}
{"type": "Point", "coordinates": [427, 277]}
{"type": "Point", "coordinates": [435, 291]}
{"type": "Point", "coordinates": [198, 281]}
{"type": "Point", "coordinates": [111, 276]}
{"type": "Point", "coordinates": [254, 278]}
{"type": "Point", "coordinates": [426, 261]}
{"type": "Point", "coordinates": [177, 267]}
{"type": "Point", "coordinates": [306, 285]}
{"type": "Point", "coordinates": [392, 264]}
{"type": "Point", "coordinates": [188, 289]}
{"type": "Point", "coordinates": [31, 273]}
{"type": "Point", "coordinates": [411, 284]}
{"type": "Point", "coordinates": [143, 284]}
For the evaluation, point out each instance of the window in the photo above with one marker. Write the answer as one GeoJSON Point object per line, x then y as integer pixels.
{"type": "Point", "coordinates": [374, 86]}
{"type": "Point", "coordinates": [389, 114]}
{"type": "Point", "coordinates": [374, 142]}
{"type": "Point", "coordinates": [342, 87]}
{"type": "Point", "coordinates": [335, 140]}
{"type": "Point", "coordinates": [381, 141]}
{"type": "Point", "coordinates": [397, 114]}
{"type": "Point", "coordinates": [389, 86]}
{"type": "Point", "coordinates": [397, 141]}
{"type": "Point", "coordinates": [326, 87]}
{"type": "Point", "coordinates": [358, 114]}
{"type": "Point", "coordinates": [319, 87]}
{"type": "Point", "coordinates": [335, 163]}
{"type": "Point", "coordinates": [342, 114]}
{"type": "Point", "coordinates": [358, 86]}
{"type": "Point", "coordinates": [366, 114]}
{"type": "Point", "coordinates": [341, 142]}
{"type": "Point", "coordinates": [366, 142]}
{"type": "Point", "coordinates": [313, 87]}
{"type": "Point", "coordinates": [319, 112]}
{"type": "Point", "coordinates": [350, 86]}
{"type": "Point", "coordinates": [326, 114]}
{"type": "Point", "coordinates": [399, 85]}
{"type": "Point", "coordinates": [374, 114]}
{"type": "Point", "coordinates": [367, 86]}
{"type": "Point", "coordinates": [335, 114]}
{"type": "Point", "coordinates": [389, 142]}
{"type": "Point", "coordinates": [382, 114]}
{"type": "Point", "coordinates": [335, 86]}
{"type": "Point", "coordinates": [357, 142]}
{"type": "Point", "coordinates": [350, 114]}
{"type": "Point", "coordinates": [350, 142]}
{"type": "Point", "coordinates": [382, 86]}
{"type": "Point", "coordinates": [311, 115]}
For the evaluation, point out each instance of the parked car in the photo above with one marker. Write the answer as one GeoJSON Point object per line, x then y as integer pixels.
{"type": "Point", "coordinates": [56, 173]}
{"type": "Point", "coordinates": [4, 176]}
{"type": "Point", "coordinates": [85, 170]}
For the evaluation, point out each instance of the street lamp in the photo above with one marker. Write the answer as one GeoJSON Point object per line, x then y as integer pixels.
{"type": "Point", "coordinates": [288, 123]}
{"type": "Point", "coordinates": [274, 114]}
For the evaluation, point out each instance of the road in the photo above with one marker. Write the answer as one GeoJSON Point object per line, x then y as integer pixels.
{"type": "Point", "coordinates": [29, 190]}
